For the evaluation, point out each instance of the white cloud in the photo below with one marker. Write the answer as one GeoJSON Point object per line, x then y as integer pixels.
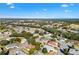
{"type": "Point", "coordinates": [9, 3]}
{"type": "Point", "coordinates": [71, 4]}
{"type": "Point", "coordinates": [67, 5]}
{"type": "Point", "coordinates": [67, 11]}
{"type": "Point", "coordinates": [12, 7]}
{"type": "Point", "coordinates": [44, 9]}
{"type": "Point", "coordinates": [64, 5]}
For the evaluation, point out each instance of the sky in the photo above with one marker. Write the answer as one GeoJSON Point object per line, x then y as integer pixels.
{"type": "Point", "coordinates": [39, 10]}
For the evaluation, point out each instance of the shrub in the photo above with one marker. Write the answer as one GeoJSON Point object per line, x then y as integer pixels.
{"type": "Point", "coordinates": [44, 50]}
{"type": "Point", "coordinates": [4, 42]}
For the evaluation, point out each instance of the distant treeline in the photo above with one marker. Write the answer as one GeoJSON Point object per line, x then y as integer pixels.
{"type": "Point", "coordinates": [55, 19]}
{"type": "Point", "coordinates": [73, 20]}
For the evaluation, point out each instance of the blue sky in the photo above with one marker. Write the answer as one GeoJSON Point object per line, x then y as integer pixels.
{"type": "Point", "coordinates": [39, 10]}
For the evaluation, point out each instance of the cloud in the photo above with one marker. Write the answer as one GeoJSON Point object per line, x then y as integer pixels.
{"type": "Point", "coordinates": [9, 3]}
{"type": "Point", "coordinates": [71, 4]}
{"type": "Point", "coordinates": [44, 9]}
{"type": "Point", "coordinates": [64, 5]}
{"type": "Point", "coordinates": [67, 11]}
{"type": "Point", "coordinates": [67, 5]}
{"type": "Point", "coordinates": [12, 7]}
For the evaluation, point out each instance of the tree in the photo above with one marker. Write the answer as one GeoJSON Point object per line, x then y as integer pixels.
{"type": "Point", "coordinates": [4, 42]}
{"type": "Point", "coordinates": [54, 36]}
{"type": "Point", "coordinates": [44, 50]}
{"type": "Point", "coordinates": [66, 35]}
{"type": "Point", "coordinates": [37, 45]}
{"type": "Point", "coordinates": [75, 36]}
{"type": "Point", "coordinates": [71, 36]}
{"type": "Point", "coordinates": [32, 51]}
{"type": "Point", "coordinates": [34, 37]}
{"type": "Point", "coordinates": [27, 35]}
{"type": "Point", "coordinates": [15, 34]}
{"type": "Point", "coordinates": [15, 40]}
{"type": "Point", "coordinates": [11, 40]}
{"type": "Point", "coordinates": [18, 40]}
{"type": "Point", "coordinates": [31, 41]}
